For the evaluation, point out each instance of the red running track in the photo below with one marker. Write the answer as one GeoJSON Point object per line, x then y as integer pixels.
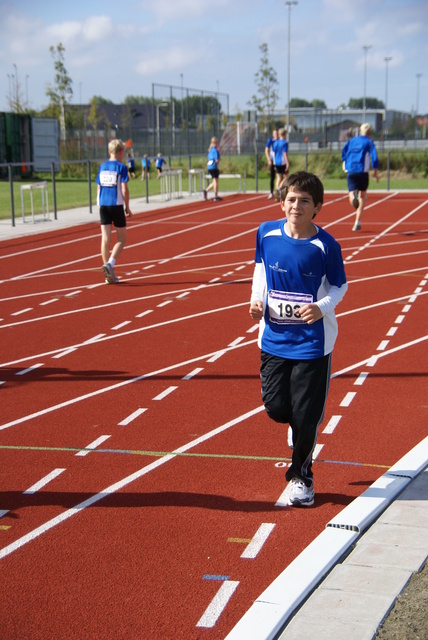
{"type": "Point", "coordinates": [139, 474]}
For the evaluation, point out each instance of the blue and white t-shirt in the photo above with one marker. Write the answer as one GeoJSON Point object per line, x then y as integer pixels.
{"type": "Point", "coordinates": [110, 176]}
{"type": "Point", "coordinates": [280, 150]}
{"type": "Point", "coordinates": [213, 155]}
{"type": "Point", "coordinates": [289, 273]}
{"type": "Point", "coordinates": [357, 154]}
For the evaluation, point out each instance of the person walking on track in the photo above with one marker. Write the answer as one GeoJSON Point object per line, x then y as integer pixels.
{"type": "Point", "coordinates": [112, 196]}
{"type": "Point", "coordinates": [298, 280]}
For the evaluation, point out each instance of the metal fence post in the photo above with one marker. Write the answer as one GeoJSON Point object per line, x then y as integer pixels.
{"type": "Point", "coordinates": [54, 191]}
{"type": "Point", "coordinates": [388, 166]}
{"type": "Point", "coordinates": [89, 186]}
{"type": "Point", "coordinates": [12, 201]}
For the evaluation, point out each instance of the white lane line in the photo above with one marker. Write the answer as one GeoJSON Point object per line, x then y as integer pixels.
{"type": "Point", "coordinates": [391, 332]}
{"type": "Point", "coordinates": [29, 369]}
{"type": "Point", "coordinates": [64, 353]}
{"type": "Point", "coordinates": [317, 451]}
{"type": "Point", "coordinates": [163, 304]}
{"type": "Point", "coordinates": [43, 304]}
{"type": "Point", "coordinates": [18, 313]}
{"type": "Point", "coordinates": [193, 373]}
{"type": "Point", "coordinates": [165, 393]}
{"type": "Point", "coordinates": [218, 604]}
{"type": "Point", "coordinates": [50, 524]}
{"type": "Point", "coordinates": [217, 355]}
{"type": "Point", "coordinates": [332, 424]}
{"type": "Point", "coordinates": [144, 313]}
{"type": "Point", "coordinates": [44, 481]}
{"type": "Point", "coordinates": [236, 341]}
{"type": "Point", "coordinates": [361, 379]}
{"type": "Point", "coordinates": [94, 339]}
{"type": "Point", "coordinates": [131, 417]}
{"type": "Point", "coordinates": [122, 324]}
{"type": "Point", "coordinates": [399, 319]}
{"type": "Point", "coordinates": [253, 548]}
{"type": "Point", "coordinates": [254, 328]}
{"type": "Point", "coordinates": [406, 308]}
{"type": "Point", "coordinates": [183, 295]}
{"type": "Point", "coordinates": [92, 446]}
{"type": "Point", "coordinates": [348, 399]}
{"type": "Point", "coordinates": [382, 346]}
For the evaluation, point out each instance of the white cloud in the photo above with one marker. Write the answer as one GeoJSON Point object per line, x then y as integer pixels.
{"type": "Point", "coordinates": [97, 28]}
{"type": "Point", "coordinates": [158, 61]}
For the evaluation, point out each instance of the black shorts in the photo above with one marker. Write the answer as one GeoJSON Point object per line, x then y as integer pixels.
{"type": "Point", "coordinates": [214, 173]}
{"type": "Point", "coordinates": [114, 214]}
{"type": "Point", "coordinates": [281, 169]}
{"type": "Point", "coordinates": [357, 181]}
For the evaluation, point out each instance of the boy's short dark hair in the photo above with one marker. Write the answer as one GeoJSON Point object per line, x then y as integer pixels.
{"type": "Point", "coordinates": [304, 181]}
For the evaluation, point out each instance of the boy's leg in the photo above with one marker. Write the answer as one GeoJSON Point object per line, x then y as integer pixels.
{"type": "Point", "coordinates": [309, 384]}
{"type": "Point", "coordinates": [275, 380]}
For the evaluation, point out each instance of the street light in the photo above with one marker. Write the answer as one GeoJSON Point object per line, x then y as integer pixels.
{"type": "Point", "coordinates": [289, 5]}
{"type": "Point", "coordinates": [387, 59]}
{"type": "Point", "coordinates": [366, 47]}
{"type": "Point", "coordinates": [418, 77]}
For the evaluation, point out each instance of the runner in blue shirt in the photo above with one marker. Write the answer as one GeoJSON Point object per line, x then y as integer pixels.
{"type": "Point", "coordinates": [112, 196]}
{"type": "Point", "coordinates": [298, 280]}
{"type": "Point", "coordinates": [212, 168]}
{"type": "Point", "coordinates": [357, 154]}
{"type": "Point", "coordinates": [280, 161]}
{"type": "Point", "coordinates": [159, 164]}
{"type": "Point", "coordinates": [145, 167]}
{"type": "Point", "coordinates": [270, 158]}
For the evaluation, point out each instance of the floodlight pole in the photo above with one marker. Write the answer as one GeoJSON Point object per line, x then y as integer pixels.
{"type": "Point", "coordinates": [366, 48]}
{"type": "Point", "coordinates": [289, 4]}
{"type": "Point", "coordinates": [387, 59]}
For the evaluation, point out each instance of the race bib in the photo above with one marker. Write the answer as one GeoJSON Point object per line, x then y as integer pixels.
{"type": "Point", "coordinates": [108, 178]}
{"type": "Point", "coordinates": [284, 306]}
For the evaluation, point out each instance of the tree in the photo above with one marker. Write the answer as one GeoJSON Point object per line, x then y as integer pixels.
{"type": "Point", "coordinates": [266, 79]}
{"type": "Point", "coordinates": [62, 90]}
{"type": "Point", "coordinates": [371, 103]}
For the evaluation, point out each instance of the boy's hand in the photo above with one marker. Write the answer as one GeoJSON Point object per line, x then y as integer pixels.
{"type": "Point", "coordinates": [310, 313]}
{"type": "Point", "coordinates": [256, 310]}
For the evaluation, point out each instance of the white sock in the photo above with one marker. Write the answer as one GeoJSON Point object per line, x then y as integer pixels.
{"type": "Point", "coordinates": [112, 261]}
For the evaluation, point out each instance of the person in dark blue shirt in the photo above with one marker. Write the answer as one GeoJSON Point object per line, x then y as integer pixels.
{"type": "Point", "coordinates": [213, 169]}
{"type": "Point", "coordinates": [356, 155]}
{"type": "Point", "coordinates": [112, 196]}
{"type": "Point", "coordinates": [298, 280]}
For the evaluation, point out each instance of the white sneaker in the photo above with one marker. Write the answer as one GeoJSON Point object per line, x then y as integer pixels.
{"type": "Point", "coordinates": [109, 274]}
{"type": "Point", "coordinates": [270, 196]}
{"type": "Point", "coordinates": [298, 494]}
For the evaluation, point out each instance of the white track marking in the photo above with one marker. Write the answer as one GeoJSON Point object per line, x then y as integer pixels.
{"type": "Point", "coordinates": [332, 424]}
{"type": "Point", "coordinates": [252, 550]}
{"type": "Point", "coordinates": [50, 524]}
{"type": "Point", "coordinates": [44, 481]}
{"type": "Point", "coordinates": [92, 446]}
{"type": "Point", "coordinates": [218, 604]}
{"type": "Point", "coordinates": [165, 393]}
{"type": "Point", "coordinates": [131, 417]}
{"type": "Point", "coordinates": [348, 399]}
{"type": "Point", "coordinates": [29, 369]}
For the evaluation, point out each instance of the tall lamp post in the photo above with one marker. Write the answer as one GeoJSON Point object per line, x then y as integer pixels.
{"type": "Point", "coordinates": [366, 48]}
{"type": "Point", "coordinates": [418, 77]}
{"type": "Point", "coordinates": [387, 59]}
{"type": "Point", "coordinates": [289, 4]}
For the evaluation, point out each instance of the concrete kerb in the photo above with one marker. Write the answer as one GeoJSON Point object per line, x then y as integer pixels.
{"type": "Point", "coordinates": [277, 605]}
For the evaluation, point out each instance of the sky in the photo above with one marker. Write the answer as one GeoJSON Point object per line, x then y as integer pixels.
{"type": "Point", "coordinates": [116, 49]}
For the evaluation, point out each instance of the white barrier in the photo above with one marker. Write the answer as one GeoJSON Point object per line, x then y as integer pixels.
{"type": "Point", "coordinates": [194, 175]}
{"type": "Point", "coordinates": [171, 184]}
{"type": "Point", "coordinates": [30, 187]}
{"type": "Point", "coordinates": [226, 176]}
